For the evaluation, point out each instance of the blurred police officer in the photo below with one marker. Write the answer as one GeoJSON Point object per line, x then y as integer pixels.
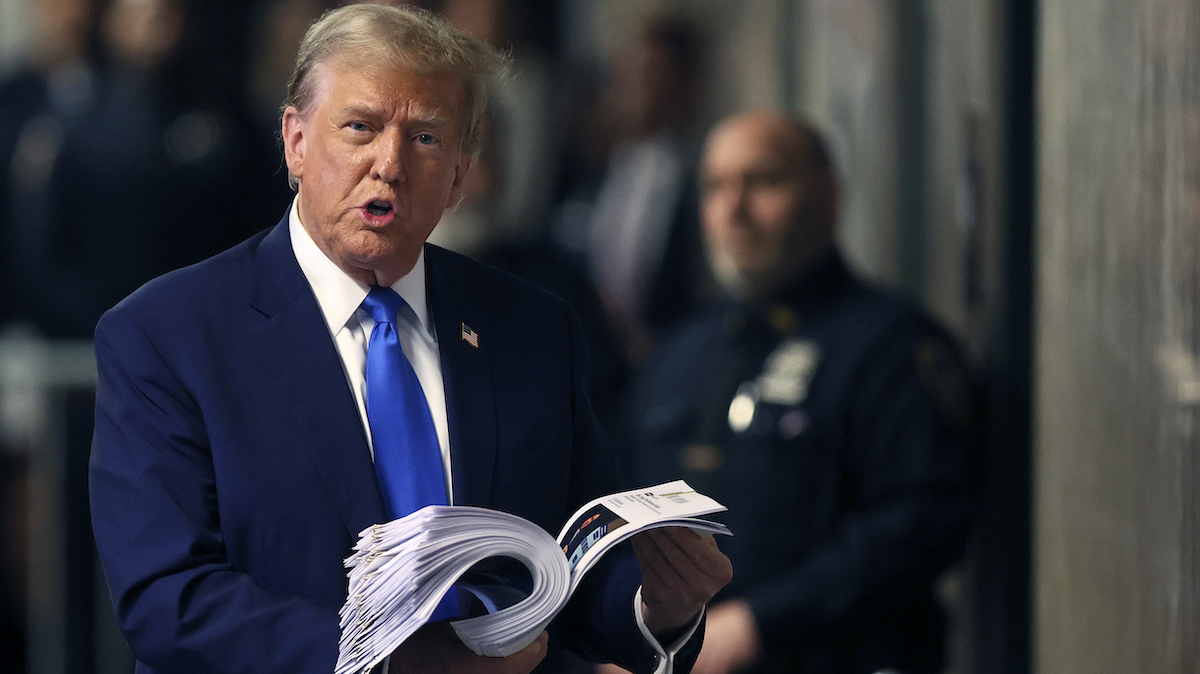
{"type": "Point", "coordinates": [829, 417]}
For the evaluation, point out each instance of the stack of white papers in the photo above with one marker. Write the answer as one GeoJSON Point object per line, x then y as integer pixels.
{"type": "Point", "coordinates": [400, 570]}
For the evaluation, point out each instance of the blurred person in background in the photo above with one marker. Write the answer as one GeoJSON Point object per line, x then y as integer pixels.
{"type": "Point", "coordinates": [158, 134]}
{"type": "Point", "coordinates": [50, 90]}
{"type": "Point", "coordinates": [526, 110]}
{"type": "Point", "coordinates": [122, 155]}
{"type": "Point", "coordinates": [500, 219]}
{"type": "Point", "coordinates": [829, 416]}
{"type": "Point", "coordinates": [277, 28]}
{"type": "Point", "coordinates": [635, 223]}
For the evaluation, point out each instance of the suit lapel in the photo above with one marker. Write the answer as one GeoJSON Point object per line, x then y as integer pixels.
{"type": "Point", "coordinates": [467, 374]}
{"type": "Point", "coordinates": [301, 360]}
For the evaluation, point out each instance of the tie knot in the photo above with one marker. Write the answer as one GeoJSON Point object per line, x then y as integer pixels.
{"type": "Point", "coordinates": [383, 304]}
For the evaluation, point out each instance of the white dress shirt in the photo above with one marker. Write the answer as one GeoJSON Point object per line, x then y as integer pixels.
{"type": "Point", "coordinates": [340, 298]}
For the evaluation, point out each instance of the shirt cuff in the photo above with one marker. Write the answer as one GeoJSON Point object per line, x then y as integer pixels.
{"type": "Point", "coordinates": [666, 656]}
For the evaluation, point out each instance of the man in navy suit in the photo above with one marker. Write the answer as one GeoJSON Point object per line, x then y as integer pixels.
{"type": "Point", "coordinates": [232, 463]}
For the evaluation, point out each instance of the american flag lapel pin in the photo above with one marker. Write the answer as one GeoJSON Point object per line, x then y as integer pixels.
{"type": "Point", "coordinates": [470, 336]}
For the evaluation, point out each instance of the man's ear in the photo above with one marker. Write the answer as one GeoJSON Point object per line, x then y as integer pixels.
{"type": "Point", "coordinates": [294, 144]}
{"type": "Point", "coordinates": [460, 175]}
{"type": "Point", "coordinates": [833, 199]}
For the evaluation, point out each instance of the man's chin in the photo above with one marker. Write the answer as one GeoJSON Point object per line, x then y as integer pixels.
{"type": "Point", "coordinates": [734, 284]}
{"type": "Point", "coordinates": [383, 265]}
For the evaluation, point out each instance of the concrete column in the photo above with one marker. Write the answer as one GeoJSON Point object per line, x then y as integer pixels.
{"type": "Point", "coordinates": [1117, 394]}
{"type": "Point", "coordinates": [849, 62]}
{"type": "Point", "coordinates": [14, 33]}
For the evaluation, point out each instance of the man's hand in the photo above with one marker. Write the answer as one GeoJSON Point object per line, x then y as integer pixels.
{"type": "Point", "coordinates": [436, 648]}
{"type": "Point", "coordinates": [681, 571]}
{"type": "Point", "coordinates": [731, 640]}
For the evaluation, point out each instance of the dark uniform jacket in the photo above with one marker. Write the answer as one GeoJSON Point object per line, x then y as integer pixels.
{"type": "Point", "coordinates": [832, 423]}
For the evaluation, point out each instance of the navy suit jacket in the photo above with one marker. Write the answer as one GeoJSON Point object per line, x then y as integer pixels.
{"type": "Point", "coordinates": [230, 474]}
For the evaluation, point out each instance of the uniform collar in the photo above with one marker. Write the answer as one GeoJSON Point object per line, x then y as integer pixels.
{"type": "Point", "coordinates": [782, 312]}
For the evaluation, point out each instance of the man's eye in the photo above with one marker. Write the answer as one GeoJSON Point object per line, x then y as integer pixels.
{"type": "Point", "coordinates": [777, 178]}
{"type": "Point", "coordinates": [357, 126]}
{"type": "Point", "coordinates": [426, 138]}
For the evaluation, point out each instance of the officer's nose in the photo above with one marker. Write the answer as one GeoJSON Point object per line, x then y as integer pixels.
{"type": "Point", "coordinates": [738, 197]}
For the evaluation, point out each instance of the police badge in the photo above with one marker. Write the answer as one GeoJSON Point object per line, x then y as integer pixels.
{"type": "Point", "coordinates": [784, 380]}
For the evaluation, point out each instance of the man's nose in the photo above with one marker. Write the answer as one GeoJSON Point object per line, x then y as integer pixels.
{"type": "Point", "coordinates": [728, 202]}
{"type": "Point", "coordinates": [389, 158]}
{"type": "Point", "coordinates": [738, 198]}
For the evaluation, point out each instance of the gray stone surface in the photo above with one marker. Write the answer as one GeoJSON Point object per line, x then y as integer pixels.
{"type": "Point", "coordinates": [1117, 382]}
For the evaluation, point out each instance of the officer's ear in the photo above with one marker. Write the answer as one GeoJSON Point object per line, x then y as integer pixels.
{"type": "Point", "coordinates": [831, 198]}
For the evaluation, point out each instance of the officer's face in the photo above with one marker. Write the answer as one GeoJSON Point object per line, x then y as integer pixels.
{"type": "Point", "coordinates": [766, 213]}
{"type": "Point", "coordinates": [379, 158]}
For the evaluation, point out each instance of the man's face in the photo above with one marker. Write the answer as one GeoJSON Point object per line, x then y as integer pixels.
{"type": "Point", "coordinates": [379, 158]}
{"type": "Point", "coordinates": [766, 214]}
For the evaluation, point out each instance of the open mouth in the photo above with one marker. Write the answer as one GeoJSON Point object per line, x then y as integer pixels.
{"type": "Point", "coordinates": [379, 208]}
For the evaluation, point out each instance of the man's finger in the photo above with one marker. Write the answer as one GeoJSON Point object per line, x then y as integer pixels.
{"type": "Point", "coordinates": [527, 658]}
{"type": "Point", "coordinates": [679, 552]}
{"type": "Point", "coordinates": [681, 572]}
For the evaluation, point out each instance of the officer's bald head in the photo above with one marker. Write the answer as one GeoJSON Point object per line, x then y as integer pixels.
{"type": "Point", "coordinates": [768, 201]}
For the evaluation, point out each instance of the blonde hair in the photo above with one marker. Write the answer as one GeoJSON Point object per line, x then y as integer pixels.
{"type": "Point", "coordinates": [402, 37]}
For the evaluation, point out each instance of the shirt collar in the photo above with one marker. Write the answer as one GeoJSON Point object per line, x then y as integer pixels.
{"type": "Point", "coordinates": [338, 294]}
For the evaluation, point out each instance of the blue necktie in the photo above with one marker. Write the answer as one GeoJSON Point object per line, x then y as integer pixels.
{"type": "Point", "coordinates": [408, 459]}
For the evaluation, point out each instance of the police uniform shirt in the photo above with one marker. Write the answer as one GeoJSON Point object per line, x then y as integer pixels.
{"type": "Point", "coordinates": [831, 423]}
